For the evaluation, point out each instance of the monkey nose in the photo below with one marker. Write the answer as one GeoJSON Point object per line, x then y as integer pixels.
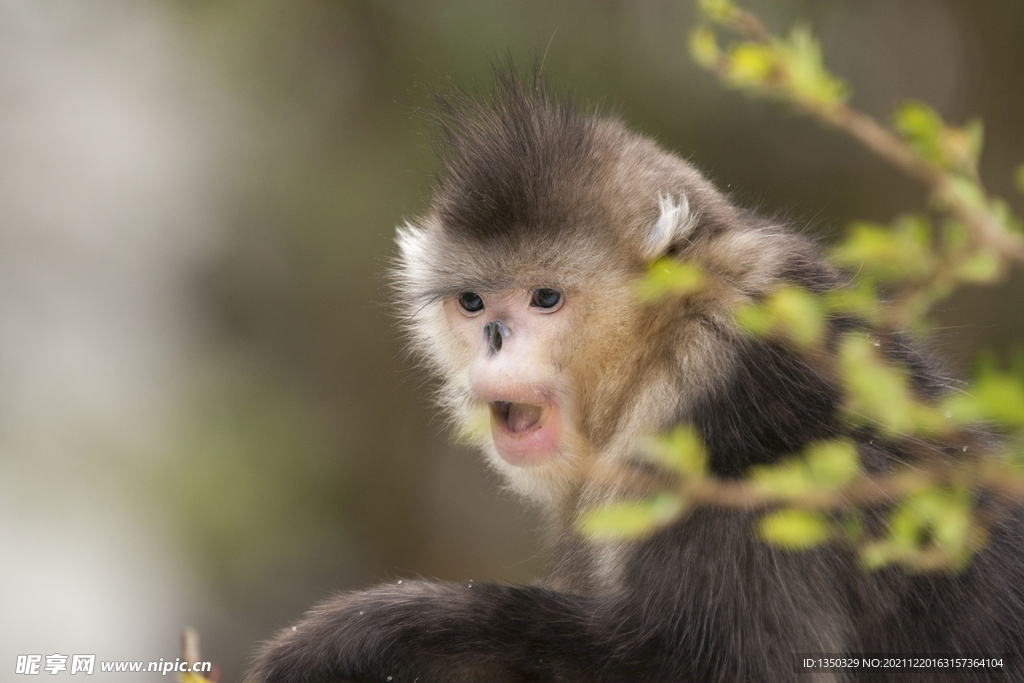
{"type": "Point", "coordinates": [494, 331]}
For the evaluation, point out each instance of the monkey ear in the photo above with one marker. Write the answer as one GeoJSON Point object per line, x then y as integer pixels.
{"type": "Point", "coordinates": [412, 267]}
{"type": "Point", "coordinates": [674, 224]}
{"type": "Point", "coordinates": [414, 252]}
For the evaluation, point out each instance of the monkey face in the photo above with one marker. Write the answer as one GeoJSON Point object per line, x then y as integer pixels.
{"type": "Point", "coordinates": [509, 335]}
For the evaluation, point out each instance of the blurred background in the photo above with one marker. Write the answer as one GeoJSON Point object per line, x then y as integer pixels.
{"type": "Point", "coordinates": [206, 417]}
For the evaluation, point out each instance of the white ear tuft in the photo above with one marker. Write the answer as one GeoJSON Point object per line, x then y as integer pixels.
{"type": "Point", "coordinates": [675, 222]}
{"type": "Point", "coordinates": [413, 255]}
{"type": "Point", "coordinates": [411, 242]}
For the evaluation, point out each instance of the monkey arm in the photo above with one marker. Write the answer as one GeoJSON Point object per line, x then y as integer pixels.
{"type": "Point", "coordinates": [439, 632]}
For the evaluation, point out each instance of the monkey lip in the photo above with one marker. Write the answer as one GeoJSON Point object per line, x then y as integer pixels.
{"type": "Point", "coordinates": [524, 433]}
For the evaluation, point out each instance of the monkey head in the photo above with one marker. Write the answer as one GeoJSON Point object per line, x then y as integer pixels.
{"type": "Point", "coordinates": [518, 285]}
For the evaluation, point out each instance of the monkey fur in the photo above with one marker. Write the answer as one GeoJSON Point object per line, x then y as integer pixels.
{"type": "Point", "coordinates": [535, 199]}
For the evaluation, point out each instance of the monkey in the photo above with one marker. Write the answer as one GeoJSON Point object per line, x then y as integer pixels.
{"type": "Point", "coordinates": [517, 288]}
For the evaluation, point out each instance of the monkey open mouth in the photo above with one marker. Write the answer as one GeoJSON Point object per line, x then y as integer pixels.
{"type": "Point", "coordinates": [525, 433]}
{"type": "Point", "coordinates": [517, 417]}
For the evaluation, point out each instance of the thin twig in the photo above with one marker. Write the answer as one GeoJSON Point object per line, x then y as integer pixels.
{"type": "Point", "coordinates": [985, 229]}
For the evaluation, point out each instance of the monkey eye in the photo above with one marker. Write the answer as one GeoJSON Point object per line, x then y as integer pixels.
{"type": "Point", "coordinates": [471, 302]}
{"type": "Point", "coordinates": [545, 298]}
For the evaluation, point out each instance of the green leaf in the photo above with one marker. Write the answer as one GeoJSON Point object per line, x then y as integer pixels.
{"type": "Point", "coordinates": [791, 477]}
{"type": "Point", "coordinates": [907, 528]}
{"type": "Point", "coordinates": [704, 48]}
{"type": "Point", "coordinates": [935, 142]}
{"type": "Point", "coordinates": [809, 80]}
{"type": "Point", "coordinates": [895, 254]}
{"type": "Point", "coordinates": [800, 314]}
{"type": "Point", "coordinates": [928, 520]}
{"type": "Point", "coordinates": [792, 312]}
{"type": "Point", "coordinates": [668, 277]}
{"type": "Point", "coordinates": [681, 450]}
{"type": "Point", "coordinates": [630, 520]}
{"type": "Point", "coordinates": [878, 554]}
{"type": "Point", "coordinates": [993, 397]}
{"type": "Point", "coordinates": [833, 463]}
{"type": "Point", "coordinates": [824, 464]}
{"type": "Point", "coordinates": [983, 267]}
{"type": "Point", "coordinates": [191, 677]}
{"type": "Point", "coordinates": [967, 191]}
{"type": "Point", "coordinates": [922, 128]}
{"type": "Point", "coordinates": [795, 529]}
{"type": "Point", "coordinates": [1019, 176]}
{"type": "Point", "coordinates": [877, 392]}
{"type": "Point", "coordinates": [719, 10]}
{"type": "Point", "coordinates": [935, 515]}
{"type": "Point", "coordinates": [951, 525]}
{"type": "Point", "coordinates": [859, 300]}
{"type": "Point", "coordinates": [750, 64]}
{"type": "Point", "coordinates": [754, 320]}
